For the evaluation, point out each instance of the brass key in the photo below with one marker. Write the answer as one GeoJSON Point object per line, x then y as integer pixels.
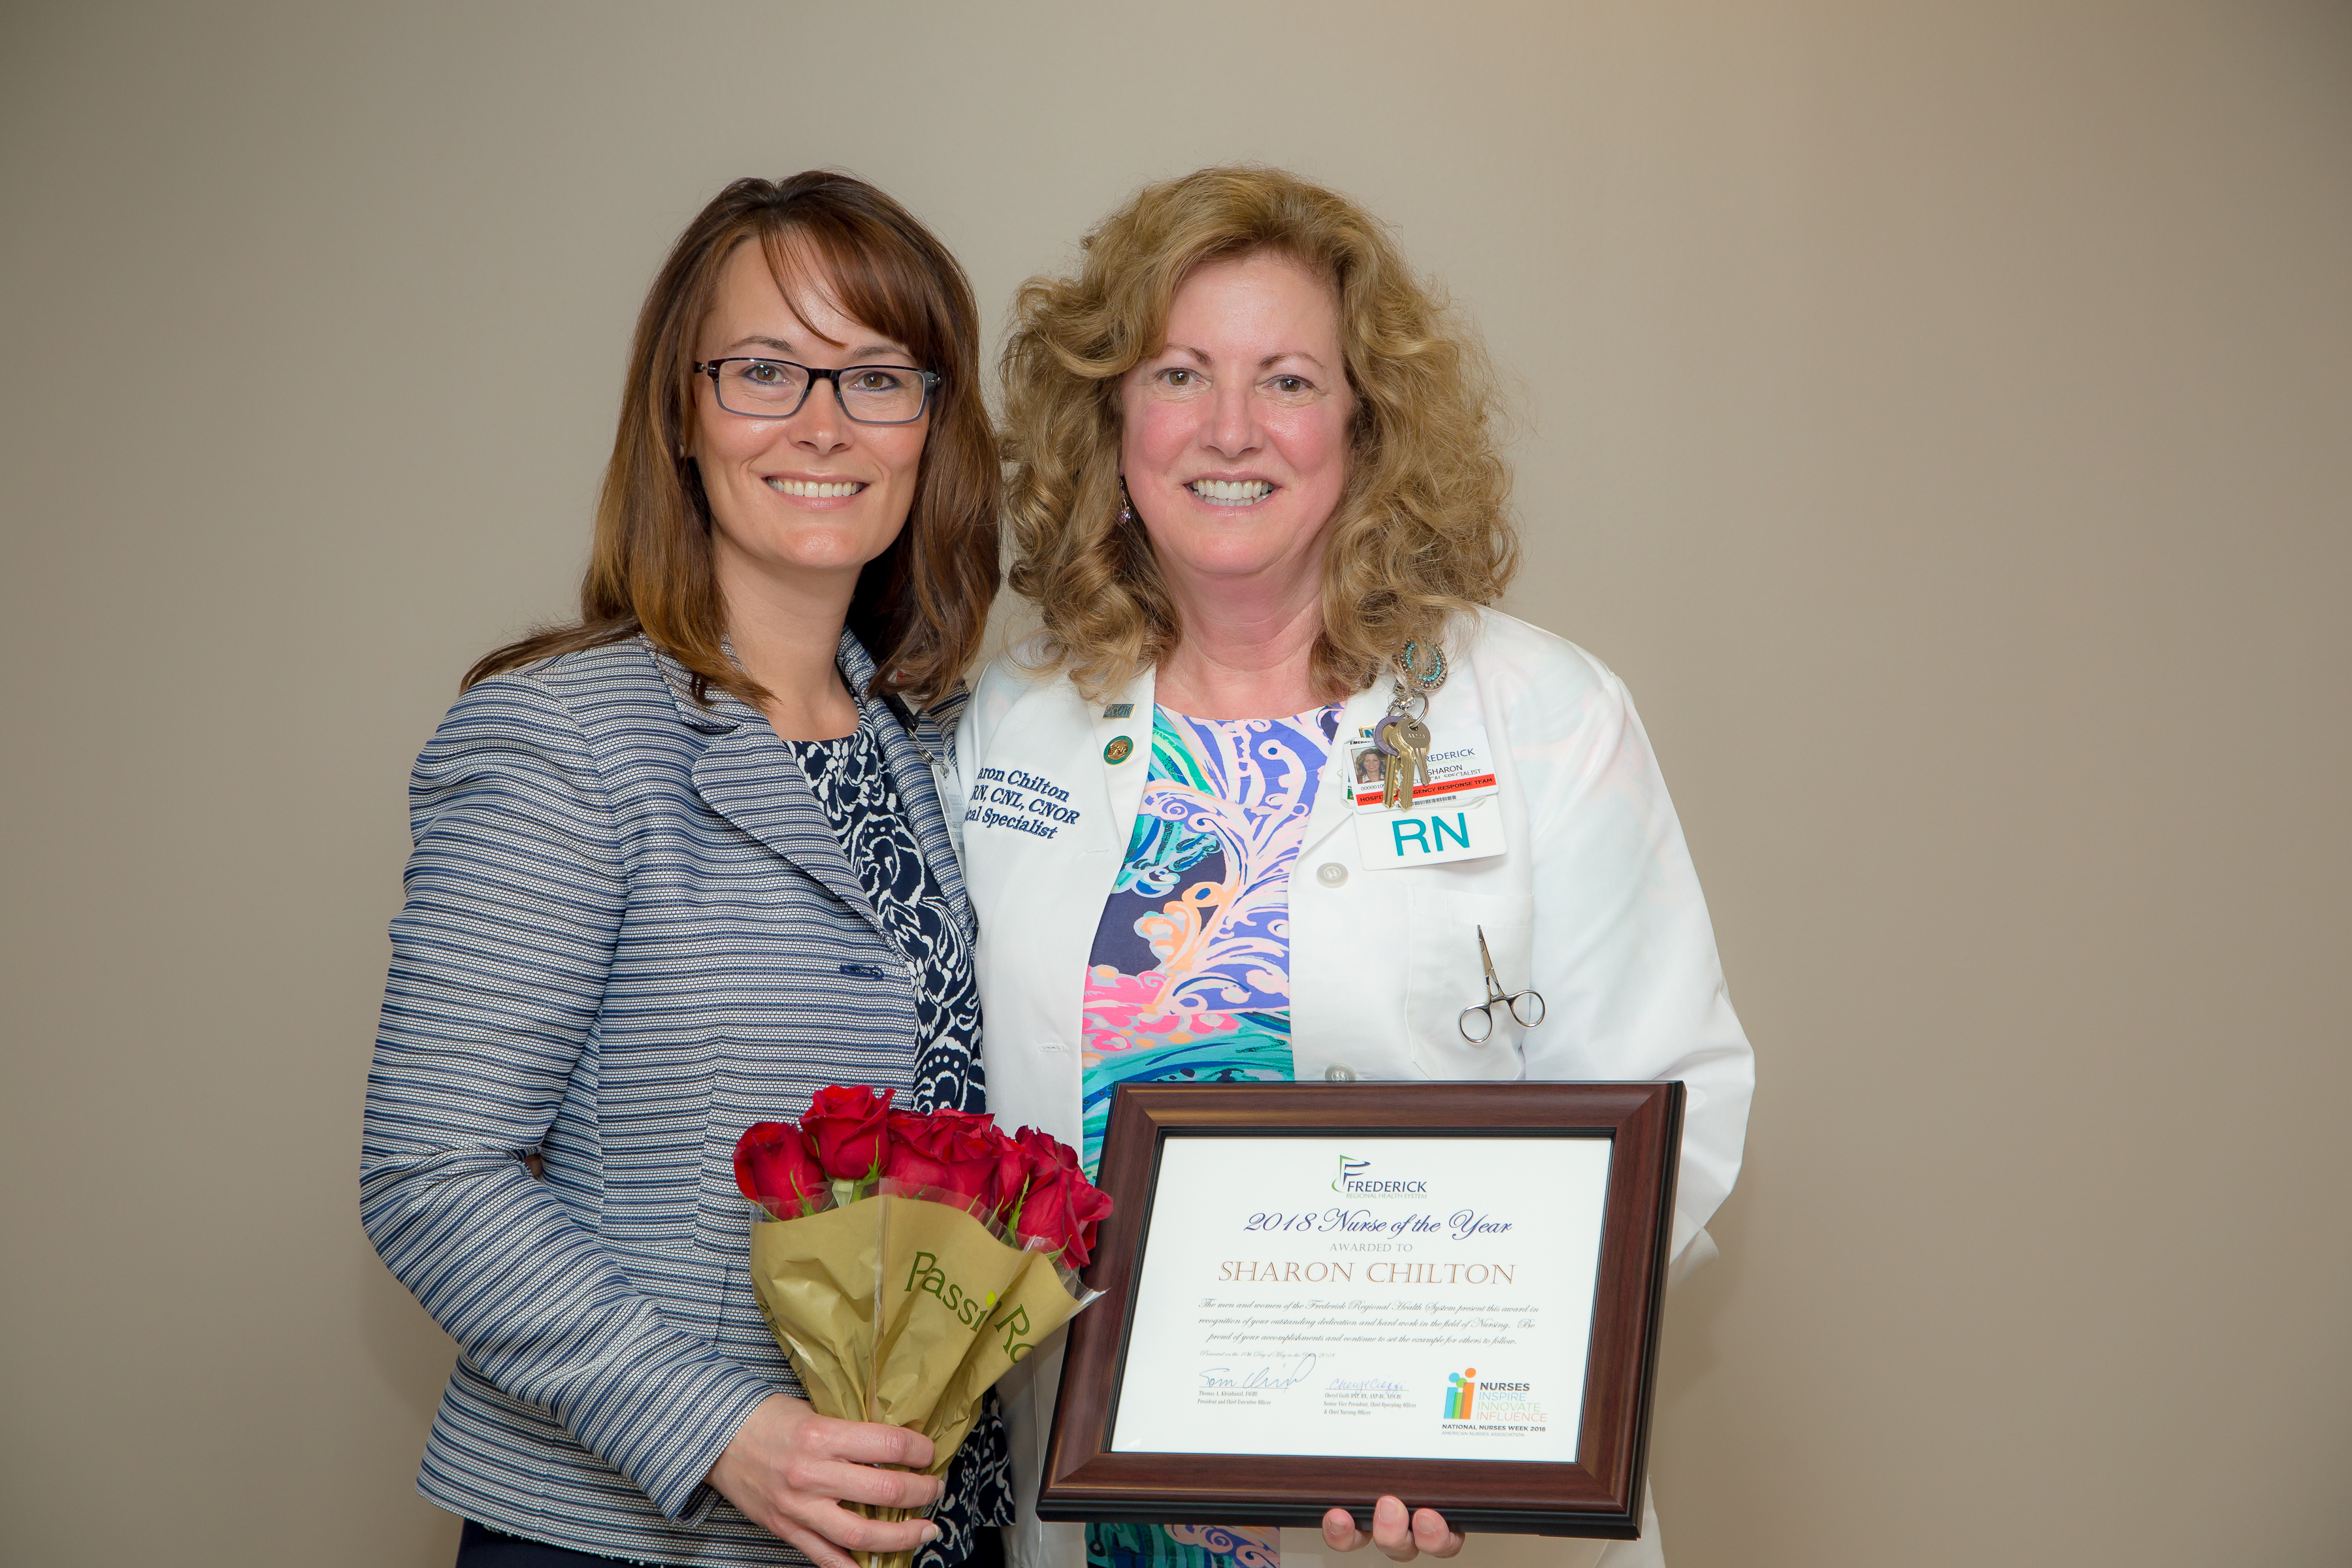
{"type": "Point", "coordinates": [1407, 742]}
{"type": "Point", "coordinates": [1410, 738]}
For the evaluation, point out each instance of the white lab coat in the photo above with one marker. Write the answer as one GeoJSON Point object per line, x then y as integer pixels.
{"type": "Point", "coordinates": [1594, 902]}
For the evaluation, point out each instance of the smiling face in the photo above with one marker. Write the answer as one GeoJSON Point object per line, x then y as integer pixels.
{"type": "Point", "coordinates": [1235, 436]}
{"type": "Point", "coordinates": [814, 496]}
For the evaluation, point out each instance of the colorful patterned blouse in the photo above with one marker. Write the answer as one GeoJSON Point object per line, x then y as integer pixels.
{"type": "Point", "coordinates": [1189, 976]}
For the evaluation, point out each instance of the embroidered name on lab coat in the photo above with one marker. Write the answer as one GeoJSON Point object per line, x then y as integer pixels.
{"type": "Point", "coordinates": [1026, 802]}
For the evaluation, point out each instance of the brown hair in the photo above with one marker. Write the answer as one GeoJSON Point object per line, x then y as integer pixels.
{"type": "Point", "coordinates": [921, 605]}
{"type": "Point", "coordinates": [1422, 529]}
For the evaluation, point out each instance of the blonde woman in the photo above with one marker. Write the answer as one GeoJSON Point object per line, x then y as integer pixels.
{"type": "Point", "coordinates": [1258, 505]}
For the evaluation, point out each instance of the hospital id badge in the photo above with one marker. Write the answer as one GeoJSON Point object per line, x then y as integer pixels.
{"type": "Point", "coordinates": [1457, 813]}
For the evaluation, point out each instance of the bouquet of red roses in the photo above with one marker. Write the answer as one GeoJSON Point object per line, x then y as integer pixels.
{"type": "Point", "coordinates": [906, 1262]}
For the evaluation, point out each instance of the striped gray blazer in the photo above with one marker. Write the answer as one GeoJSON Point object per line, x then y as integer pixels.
{"type": "Point", "coordinates": [630, 932]}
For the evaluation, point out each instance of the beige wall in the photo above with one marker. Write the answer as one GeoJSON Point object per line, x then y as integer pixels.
{"type": "Point", "coordinates": [1940, 412]}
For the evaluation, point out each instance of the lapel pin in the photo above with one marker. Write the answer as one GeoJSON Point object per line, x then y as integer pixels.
{"type": "Point", "coordinates": [1119, 711]}
{"type": "Point", "coordinates": [1119, 750]}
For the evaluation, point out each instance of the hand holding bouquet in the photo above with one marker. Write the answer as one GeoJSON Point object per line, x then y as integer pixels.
{"type": "Point", "coordinates": [906, 1262]}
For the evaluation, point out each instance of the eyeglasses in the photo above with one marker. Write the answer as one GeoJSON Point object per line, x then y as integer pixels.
{"type": "Point", "coordinates": [776, 388]}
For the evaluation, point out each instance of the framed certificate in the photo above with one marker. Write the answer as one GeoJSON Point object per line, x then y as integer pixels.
{"type": "Point", "coordinates": [1318, 1294]}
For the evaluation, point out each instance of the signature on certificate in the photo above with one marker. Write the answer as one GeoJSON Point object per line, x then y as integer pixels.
{"type": "Point", "coordinates": [1264, 1374]}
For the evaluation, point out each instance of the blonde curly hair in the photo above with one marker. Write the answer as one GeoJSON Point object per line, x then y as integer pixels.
{"type": "Point", "coordinates": [1422, 529]}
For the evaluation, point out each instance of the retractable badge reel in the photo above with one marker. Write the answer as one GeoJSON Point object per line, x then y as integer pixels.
{"type": "Point", "coordinates": [1401, 737]}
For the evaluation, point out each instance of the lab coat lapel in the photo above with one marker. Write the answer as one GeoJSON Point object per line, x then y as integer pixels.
{"type": "Point", "coordinates": [1335, 796]}
{"type": "Point", "coordinates": [1123, 780]}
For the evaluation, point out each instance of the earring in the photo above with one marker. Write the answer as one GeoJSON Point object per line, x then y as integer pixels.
{"type": "Point", "coordinates": [1125, 505]}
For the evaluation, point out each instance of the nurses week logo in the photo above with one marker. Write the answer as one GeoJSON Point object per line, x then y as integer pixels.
{"type": "Point", "coordinates": [1491, 1406]}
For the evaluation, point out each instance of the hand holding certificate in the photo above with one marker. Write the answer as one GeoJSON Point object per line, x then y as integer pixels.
{"type": "Point", "coordinates": [1315, 1293]}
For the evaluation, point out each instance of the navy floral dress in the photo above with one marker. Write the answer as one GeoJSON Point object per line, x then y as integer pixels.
{"type": "Point", "coordinates": [851, 779]}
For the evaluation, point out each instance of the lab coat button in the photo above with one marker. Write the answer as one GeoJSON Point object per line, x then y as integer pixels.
{"type": "Point", "coordinates": [1339, 1072]}
{"type": "Point", "coordinates": [1331, 874]}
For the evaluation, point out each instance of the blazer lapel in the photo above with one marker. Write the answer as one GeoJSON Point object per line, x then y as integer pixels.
{"type": "Point", "coordinates": [748, 776]}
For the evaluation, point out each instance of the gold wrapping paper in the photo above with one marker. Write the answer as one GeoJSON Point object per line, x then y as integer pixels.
{"type": "Point", "coordinates": [902, 1310]}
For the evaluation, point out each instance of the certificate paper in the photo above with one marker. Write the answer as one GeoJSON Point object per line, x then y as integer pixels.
{"type": "Point", "coordinates": [1376, 1297]}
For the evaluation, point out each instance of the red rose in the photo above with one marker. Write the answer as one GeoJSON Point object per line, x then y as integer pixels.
{"type": "Point", "coordinates": [1061, 1210]}
{"type": "Point", "coordinates": [775, 1169]}
{"type": "Point", "coordinates": [1040, 1154]}
{"type": "Point", "coordinates": [850, 1129]}
{"type": "Point", "coordinates": [1012, 1175]}
{"type": "Point", "coordinates": [957, 1152]}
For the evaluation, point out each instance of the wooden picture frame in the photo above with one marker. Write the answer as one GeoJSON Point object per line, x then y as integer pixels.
{"type": "Point", "coordinates": [1598, 1495]}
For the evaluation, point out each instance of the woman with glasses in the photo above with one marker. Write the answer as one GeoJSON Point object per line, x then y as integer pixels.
{"type": "Point", "coordinates": [1318, 811]}
{"type": "Point", "coordinates": [679, 865]}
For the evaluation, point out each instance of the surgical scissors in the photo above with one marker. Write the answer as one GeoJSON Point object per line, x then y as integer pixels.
{"type": "Point", "coordinates": [1526, 1007]}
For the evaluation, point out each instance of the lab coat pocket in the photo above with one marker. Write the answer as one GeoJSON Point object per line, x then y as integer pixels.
{"type": "Point", "coordinates": [1444, 976]}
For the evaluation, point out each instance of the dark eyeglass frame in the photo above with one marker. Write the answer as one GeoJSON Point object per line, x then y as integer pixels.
{"type": "Point", "coordinates": [710, 368]}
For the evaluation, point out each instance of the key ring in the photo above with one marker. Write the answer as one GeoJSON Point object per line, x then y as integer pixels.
{"type": "Point", "coordinates": [1404, 759]}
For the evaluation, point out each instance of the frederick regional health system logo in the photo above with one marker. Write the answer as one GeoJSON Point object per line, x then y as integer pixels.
{"type": "Point", "coordinates": [1352, 1180]}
